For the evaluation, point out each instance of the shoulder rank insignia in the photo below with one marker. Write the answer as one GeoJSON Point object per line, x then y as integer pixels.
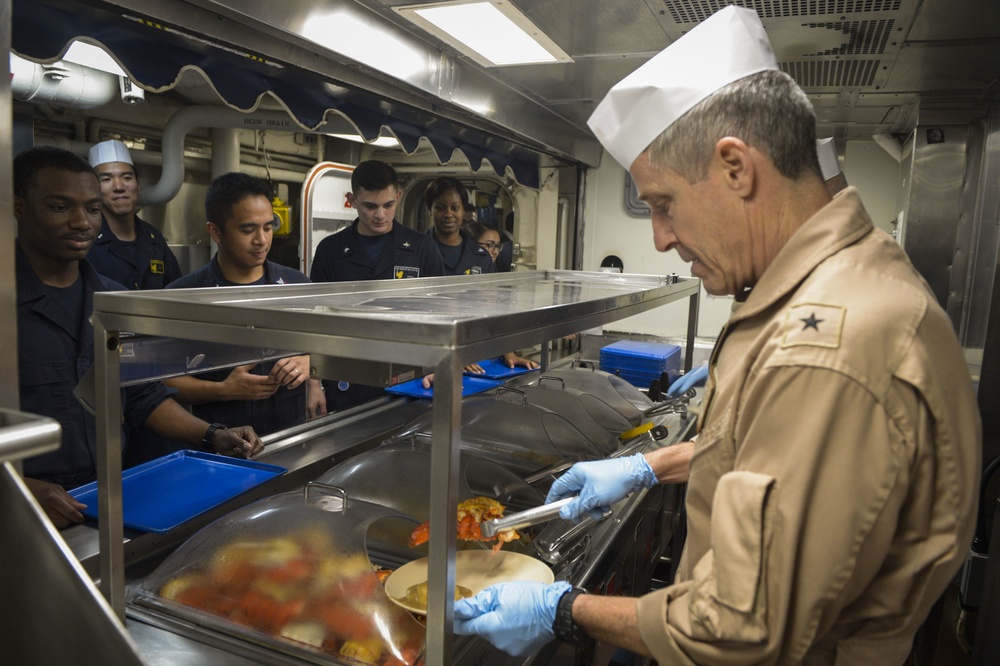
{"type": "Point", "coordinates": [814, 325]}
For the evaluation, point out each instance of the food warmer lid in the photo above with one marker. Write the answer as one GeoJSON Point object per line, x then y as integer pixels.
{"type": "Point", "coordinates": [614, 391]}
{"type": "Point", "coordinates": [364, 476]}
{"type": "Point", "coordinates": [504, 425]}
{"type": "Point", "coordinates": [589, 413]}
{"type": "Point", "coordinates": [291, 572]}
{"type": "Point", "coordinates": [408, 464]}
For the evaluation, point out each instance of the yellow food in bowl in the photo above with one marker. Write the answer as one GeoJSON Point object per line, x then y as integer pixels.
{"type": "Point", "coordinates": [416, 595]}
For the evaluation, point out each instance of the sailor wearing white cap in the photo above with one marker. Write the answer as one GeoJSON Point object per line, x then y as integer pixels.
{"type": "Point", "coordinates": [829, 165]}
{"type": "Point", "coordinates": [832, 490]}
{"type": "Point", "coordinates": [131, 252]}
{"type": "Point", "coordinates": [128, 250]}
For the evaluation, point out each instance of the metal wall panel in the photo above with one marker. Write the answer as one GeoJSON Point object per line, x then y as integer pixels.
{"type": "Point", "coordinates": [934, 208]}
{"type": "Point", "coordinates": [987, 235]}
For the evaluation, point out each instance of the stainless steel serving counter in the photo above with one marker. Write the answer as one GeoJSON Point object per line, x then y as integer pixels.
{"type": "Point", "coordinates": [362, 329]}
{"type": "Point", "coordinates": [617, 557]}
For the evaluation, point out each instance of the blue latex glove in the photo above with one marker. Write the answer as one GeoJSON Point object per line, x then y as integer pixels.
{"type": "Point", "coordinates": [515, 617]}
{"type": "Point", "coordinates": [695, 377]}
{"type": "Point", "coordinates": [600, 484]}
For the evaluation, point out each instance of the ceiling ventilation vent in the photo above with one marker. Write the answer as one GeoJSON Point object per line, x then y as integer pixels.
{"type": "Point", "coordinates": [686, 11]}
{"type": "Point", "coordinates": [867, 37]}
{"type": "Point", "coordinates": [832, 74]}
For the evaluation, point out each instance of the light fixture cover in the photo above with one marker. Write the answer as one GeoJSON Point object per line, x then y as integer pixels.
{"type": "Point", "coordinates": [493, 33]}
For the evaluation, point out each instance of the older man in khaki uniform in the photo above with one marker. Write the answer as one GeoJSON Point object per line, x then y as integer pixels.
{"type": "Point", "coordinates": [833, 485]}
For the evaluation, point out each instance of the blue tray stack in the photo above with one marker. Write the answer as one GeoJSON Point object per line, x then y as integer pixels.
{"type": "Point", "coordinates": [639, 363]}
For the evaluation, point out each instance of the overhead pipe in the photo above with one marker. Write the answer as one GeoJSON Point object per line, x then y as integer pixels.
{"type": "Point", "coordinates": [65, 83]}
{"type": "Point", "coordinates": [192, 163]}
{"type": "Point", "coordinates": [189, 118]}
{"type": "Point", "coordinates": [225, 151]}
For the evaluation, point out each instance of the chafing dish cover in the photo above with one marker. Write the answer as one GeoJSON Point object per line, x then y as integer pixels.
{"type": "Point", "coordinates": [408, 465]}
{"type": "Point", "coordinates": [505, 425]}
{"type": "Point", "coordinates": [291, 572]}
{"type": "Point", "coordinates": [613, 391]}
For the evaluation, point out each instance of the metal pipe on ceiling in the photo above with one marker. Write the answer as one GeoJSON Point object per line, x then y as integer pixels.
{"type": "Point", "coordinates": [65, 83]}
{"type": "Point", "coordinates": [177, 127]}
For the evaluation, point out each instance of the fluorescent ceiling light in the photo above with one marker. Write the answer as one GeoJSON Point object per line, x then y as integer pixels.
{"type": "Point", "coordinates": [92, 56]}
{"type": "Point", "coordinates": [381, 142]}
{"type": "Point", "coordinates": [491, 32]}
{"type": "Point", "coordinates": [357, 36]}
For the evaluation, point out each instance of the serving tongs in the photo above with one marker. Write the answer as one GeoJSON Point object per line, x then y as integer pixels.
{"type": "Point", "coordinates": [678, 405]}
{"type": "Point", "coordinates": [515, 521]}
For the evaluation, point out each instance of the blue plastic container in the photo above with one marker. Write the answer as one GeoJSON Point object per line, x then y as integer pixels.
{"type": "Point", "coordinates": [640, 363]}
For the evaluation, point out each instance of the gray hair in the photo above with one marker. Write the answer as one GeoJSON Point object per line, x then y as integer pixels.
{"type": "Point", "coordinates": [766, 110]}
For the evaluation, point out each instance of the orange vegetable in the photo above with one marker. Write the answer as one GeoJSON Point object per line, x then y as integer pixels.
{"type": "Point", "coordinates": [471, 513]}
{"type": "Point", "coordinates": [344, 622]}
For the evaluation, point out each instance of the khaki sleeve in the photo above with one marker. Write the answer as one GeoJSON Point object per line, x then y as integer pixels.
{"type": "Point", "coordinates": [818, 480]}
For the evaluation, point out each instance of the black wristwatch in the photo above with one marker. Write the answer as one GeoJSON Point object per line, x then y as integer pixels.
{"type": "Point", "coordinates": [564, 627]}
{"type": "Point", "coordinates": [207, 440]}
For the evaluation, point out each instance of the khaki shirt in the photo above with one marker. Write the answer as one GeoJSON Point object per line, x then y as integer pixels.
{"type": "Point", "coordinates": [833, 487]}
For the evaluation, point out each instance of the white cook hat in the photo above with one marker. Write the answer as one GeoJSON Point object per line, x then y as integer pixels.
{"type": "Point", "coordinates": [727, 46]}
{"type": "Point", "coordinates": [829, 164]}
{"type": "Point", "coordinates": [112, 150]}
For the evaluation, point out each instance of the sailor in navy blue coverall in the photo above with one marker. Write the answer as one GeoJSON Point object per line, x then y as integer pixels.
{"type": "Point", "coordinates": [273, 395]}
{"type": "Point", "coordinates": [57, 208]}
{"type": "Point", "coordinates": [348, 255]}
{"type": "Point", "coordinates": [55, 346]}
{"type": "Point", "coordinates": [375, 247]}
{"type": "Point", "coordinates": [127, 250]}
{"type": "Point", "coordinates": [130, 252]}
{"type": "Point", "coordinates": [462, 255]}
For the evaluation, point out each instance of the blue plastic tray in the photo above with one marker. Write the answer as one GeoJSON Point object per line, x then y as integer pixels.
{"type": "Point", "coordinates": [415, 389]}
{"type": "Point", "coordinates": [161, 494]}
{"type": "Point", "coordinates": [497, 370]}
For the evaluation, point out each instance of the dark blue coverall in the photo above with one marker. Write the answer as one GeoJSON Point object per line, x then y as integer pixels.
{"type": "Point", "coordinates": [54, 351]}
{"type": "Point", "coordinates": [150, 266]}
{"type": "Point", "coordinates": [281, 410]}
{"type": "Point", "coordinates": [472, 261]}
{"type": "Point", "coordinates": [341, 258]}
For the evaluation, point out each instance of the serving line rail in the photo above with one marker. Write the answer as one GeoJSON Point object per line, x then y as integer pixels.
{"type": "Point", "coordinates": [437, 323]}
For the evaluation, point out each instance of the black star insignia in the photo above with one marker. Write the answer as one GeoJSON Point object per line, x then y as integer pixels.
{"type": "Point", "coordinates": [812, 322]}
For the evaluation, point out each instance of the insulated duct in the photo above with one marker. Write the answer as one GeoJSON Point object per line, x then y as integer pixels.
{"type": "Point", "coordinates": [150, 158]}
{"type": "Point", "coordinates": [65, 83]}
{"type": "Point", "coordinates": [187, 119]}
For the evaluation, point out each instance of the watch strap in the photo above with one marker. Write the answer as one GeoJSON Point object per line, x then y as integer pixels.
{"type": "Point", "coordinates": [564, 628]}
{"type": "Point", "coordinates": [208, 440]}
